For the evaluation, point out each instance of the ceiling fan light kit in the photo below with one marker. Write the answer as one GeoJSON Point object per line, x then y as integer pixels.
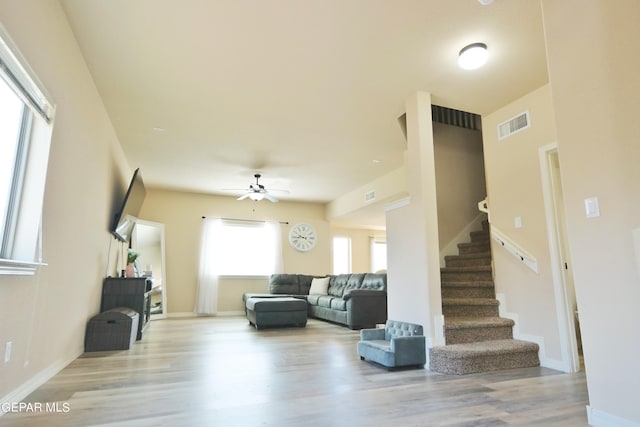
{"type": "Point", "coordinates": [257, 192]}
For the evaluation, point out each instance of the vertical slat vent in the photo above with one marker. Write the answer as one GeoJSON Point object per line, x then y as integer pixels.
{"type": "Point", "coordinates": [514, 125]}
{"type": "Point", "coordinates": [449, 116]}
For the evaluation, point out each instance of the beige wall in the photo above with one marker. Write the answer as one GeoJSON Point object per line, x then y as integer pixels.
{"type": "Point", "coordinates": [460, 181]}
{"type": "Point", "coordinates": [388, 187]}
{"type": "Point", "coordinates": [45, 316]}
{"type": "Point", "coordinates": [514, 187]}
{"type": "Point", "coordinates": [182, 215]}
{"type": "Point", "coordinates": [360, 246]}
{"type": "Point", "coordinates": [593, 68]}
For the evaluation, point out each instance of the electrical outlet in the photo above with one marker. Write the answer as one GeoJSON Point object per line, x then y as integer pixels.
{"type": "Point", "coordinates": [7, 352]}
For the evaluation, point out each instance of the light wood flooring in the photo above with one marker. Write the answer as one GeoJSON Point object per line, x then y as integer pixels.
{"type": "Point", "coordinates": [222, 372]}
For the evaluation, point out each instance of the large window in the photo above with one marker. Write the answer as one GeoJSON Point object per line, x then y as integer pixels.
{"type": "Point", "coordinates": [235, 248]}
{"type": "Point", "coordinates": [26, 117]}
{"type": "Point", "coordinates": [13, 144]}
{"type": "Point", "coordinates": [246, 248]}
{"type": "Point", "coordinates": [378, 254]}
{"type": "Point", "coordinates": [341, 255]}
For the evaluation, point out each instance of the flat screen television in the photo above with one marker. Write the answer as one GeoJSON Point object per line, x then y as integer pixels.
{"type": "Point", "coordinates": [126, 217]}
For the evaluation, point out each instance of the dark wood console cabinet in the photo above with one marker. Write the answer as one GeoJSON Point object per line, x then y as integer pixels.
{"type": "Point", "coordinates": [134, 293]}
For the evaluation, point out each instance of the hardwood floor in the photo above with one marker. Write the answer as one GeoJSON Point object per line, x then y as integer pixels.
{"type": "Point", "coordinates": [222, 372]}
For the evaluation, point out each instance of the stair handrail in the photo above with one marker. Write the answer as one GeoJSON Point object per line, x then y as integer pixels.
{"type": "Point", "coordinates": [483, 205]}
{"type": "Point", "coordinates": [514, 249]}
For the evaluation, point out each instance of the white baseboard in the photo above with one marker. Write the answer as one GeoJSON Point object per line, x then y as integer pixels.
{"type": "Point", "coordinates": [451, 248]}
{"type": "Point", "coordinates": [599, 418]}
{"type": "Point", "coordinates": [231, 313]}
{"type": "Point", "coordinates": [545, 361]}
{"type": "Point", "coordinates": [36, 381]}
{"type": "Point", "coordinates": [438, 324]}
{"type": "Point", "coordinates": [179, 314]}
{"type": "Point", "coordinates": [428, 344]}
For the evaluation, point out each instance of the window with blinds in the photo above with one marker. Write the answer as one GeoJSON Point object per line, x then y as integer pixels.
{"type": "Point", "coordinates": [25, 137]}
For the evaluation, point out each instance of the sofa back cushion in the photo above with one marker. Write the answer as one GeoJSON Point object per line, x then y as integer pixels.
{"type": "Point", "coordinates": [304, 281]}
{"type": "Point", "coordinates": [374, 282]}
{"type": "Point", "coordinates": [284, 284]}
{"type": "Point", "coordinates": [394, 329]}
{"type": "Point", "coordinates": [337, 284]}
{"type": "Point", "coordinates": [354, 282]}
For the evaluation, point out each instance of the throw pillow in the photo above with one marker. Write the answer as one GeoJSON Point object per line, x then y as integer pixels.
{"type": "Point", "coordinates": [319, 285]}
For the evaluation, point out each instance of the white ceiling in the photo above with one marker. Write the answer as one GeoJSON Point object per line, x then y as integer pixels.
{"type": "Point", "coordinates": [204, 93]}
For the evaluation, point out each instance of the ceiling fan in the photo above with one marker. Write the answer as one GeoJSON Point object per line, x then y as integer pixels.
{"type": "Point", "coordinates": [258, 192]}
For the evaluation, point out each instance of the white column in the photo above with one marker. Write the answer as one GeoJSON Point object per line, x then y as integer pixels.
{"type": "Point", "coordinates": [412, 231]}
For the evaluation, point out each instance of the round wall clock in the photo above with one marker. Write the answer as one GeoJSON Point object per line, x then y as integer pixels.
{"type": "Point", "coordinates": [302, 237]}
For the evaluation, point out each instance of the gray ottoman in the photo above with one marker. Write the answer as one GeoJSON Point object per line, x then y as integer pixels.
{"type": "Point", "coordinates": [281, 311]}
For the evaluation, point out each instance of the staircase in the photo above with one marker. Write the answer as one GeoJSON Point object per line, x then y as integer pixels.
{"type": "Point", "coordinates": [477, 339]}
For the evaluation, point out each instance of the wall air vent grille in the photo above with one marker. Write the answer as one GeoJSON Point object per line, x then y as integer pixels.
{"type": "Point", "coordinates": [514, 125]}
{"type": "Point", "coordinates": [449, 116]}
{"type": "Point", "coordinates": [369, 196]}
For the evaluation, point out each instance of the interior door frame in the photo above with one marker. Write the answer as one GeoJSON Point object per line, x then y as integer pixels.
{"type": "Point", "coordinates": [564, 307]}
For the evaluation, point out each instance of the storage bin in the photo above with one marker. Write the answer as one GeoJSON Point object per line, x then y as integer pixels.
{"type": "Point", "coordinates": [114, 329]}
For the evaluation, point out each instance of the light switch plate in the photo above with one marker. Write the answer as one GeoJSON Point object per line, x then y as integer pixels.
{"type": "Point", "coordinates": [517, 222]}
{"type": "Point", "coordinates": [591, 207]}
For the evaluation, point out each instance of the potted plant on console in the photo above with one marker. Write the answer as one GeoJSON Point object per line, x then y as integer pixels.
{"type": "Point", "coordinates": [131, 270]}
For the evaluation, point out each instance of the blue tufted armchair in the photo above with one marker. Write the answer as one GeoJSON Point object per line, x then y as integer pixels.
{"type": "Point", "coordinates": [398, 344]}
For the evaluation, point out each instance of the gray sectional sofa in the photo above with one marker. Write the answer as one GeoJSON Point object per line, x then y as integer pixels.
{"type": "Point", "coordinates": [357, 300]}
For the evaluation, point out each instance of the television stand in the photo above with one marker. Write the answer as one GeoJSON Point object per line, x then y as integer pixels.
{"type": "Point", "coordinates": [132, 292]}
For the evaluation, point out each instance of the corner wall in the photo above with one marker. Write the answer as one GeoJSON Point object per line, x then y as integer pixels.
{"type": "Point", "coordinates": [514, 188]}
{"type": "Point", "coordinates": [412, 231]}
{"type": "Point", "coordinates": [460, 181]}
{"type": "Point", "coordinates": [593, 71]}
{"type": "Point", "coordinates": [45, 315]}
{"type": "Point", "coordinates": [360, 246]}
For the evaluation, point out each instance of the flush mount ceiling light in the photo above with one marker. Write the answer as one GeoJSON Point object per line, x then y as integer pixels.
{"type": "Point", "coordinates": [473, 56]}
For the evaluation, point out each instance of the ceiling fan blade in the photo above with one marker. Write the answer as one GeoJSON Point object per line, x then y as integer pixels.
{"type": "Point", "coordinates": [270, 198]}
{"type": "Point", "coordinates": [278, 191]}
{"type": "Point", "coordinates": [244, 196]}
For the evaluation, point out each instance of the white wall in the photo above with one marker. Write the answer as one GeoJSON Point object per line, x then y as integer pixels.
{"type": "Point", "coordinates": [45, 316]}
{"type": "Point", "coordinates": [412, 231]}
{"type": "Point", "coordinates": [593, 72]}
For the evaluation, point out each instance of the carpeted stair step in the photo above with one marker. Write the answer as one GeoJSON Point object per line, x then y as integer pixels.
{"type": "Point", "coordinates": [472, 307]}
{"type": "Point", "coordinates": [467, 289]}
{"type": "Point", "coordinates": [468, 260]}
{"type": "Point", "coordinates": [480, 272]}
{"type": "Point", "coordinates": [480, 236]}
{"type": "Point", "coordinates": [460, 359]}
{"type": "Point", "coordinates": [459, 330]}
{"type": "Point", "coordinates": [473, 247]}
